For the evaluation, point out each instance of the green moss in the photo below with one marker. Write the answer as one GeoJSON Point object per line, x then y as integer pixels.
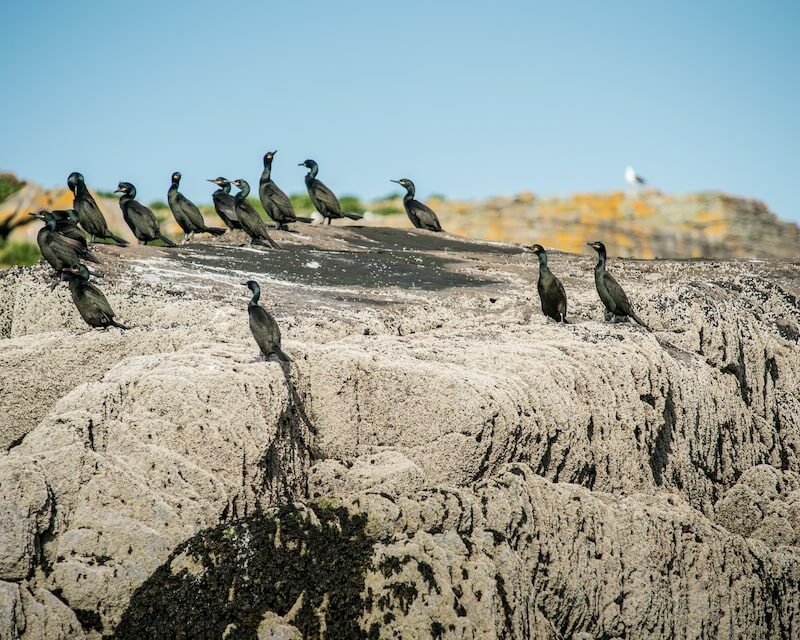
{"type": "Point", "coordinates": [9, 185]}
{"type": "Point", "coordinates": [352, 204]}
{"type": "Point", "coordinates": [246, 574]}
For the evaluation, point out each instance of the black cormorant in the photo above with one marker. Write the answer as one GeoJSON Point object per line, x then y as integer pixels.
{"type": "Point", "coordinates": [187, 215]}
{"type": "Point", "coordinates": [224, 203]}
{"type": "Point", "coordinates": [551, 291]}
{"type": "Point", "coordinates": [611, 294]}
{"type": "Point", "coordinates": [67, 225]}
{"type": "Point", "coordinates": [275, 202]}
{"type": "Point", "coordinates": [263, 326]}
{"type": "Point", "coordinates": [90, 301]}
{"type": "Point", "coordinates": [322, 197]}
{"type": "Point", "coordinates": [421, 215]}
{"type": "Point", "coordinates": [89, 215]}
{"type": "Point", "coordinates": [59, 251]}
{"type": "Point", "coordinates": [252, 223]}
{"type": "Point", "coordinates": [139, 218]}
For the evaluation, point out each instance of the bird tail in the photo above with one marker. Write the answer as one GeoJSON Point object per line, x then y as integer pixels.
{"type": "Point", "coordinates": [120, 241]}
{"type": "Point", "coordinates": [639, 321]}
{"type": "Point", "coordinates": [217, 231]}
{"type": "Point", "coordinates": [88, 255]}
{"type": "Point", "coordinates": [353, 216]}
{"type": "Point", "coordinates": [306, 220]}
{"type": "Point", "coordinates": [166, 241]}
{"type": "Point", "coordinates": [266, 242]}
{"type": "Point", "coordinates": [281, 355]}
{"type": "Point", "coordinates": [119, 325]}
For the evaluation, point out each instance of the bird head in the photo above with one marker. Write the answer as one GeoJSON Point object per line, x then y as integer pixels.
{"type": "Point", "coordinates": [39, 215]}
{"type": "Point", "coordinates": [73, 180]}
{"type": "Point", "coordinates": [253, 286]}
{"type": "Point", "coordinates": [268, 156]}
{"type": "Point", "coordinates": [80, 272]}
{"type": "Point", "coordinates": [176, 177]}
{"type": "Point", "coordinates": [536, 248]}
{"type": "Point", "coordinates": [220, 182]}
{"type": "Point", "coordinates": [597, 246]}
{"type": "Point", "coordinates": [404, 182]}
{"type": "Point", "coordinates": [308, 164]}
{"type": "Point", "coordinates": [125, 188]}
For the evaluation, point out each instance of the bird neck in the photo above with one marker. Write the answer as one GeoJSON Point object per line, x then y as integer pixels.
{"type": "Point", "coordinates": [226, 189]}
{"type": "Point", "coordinates": [266, 174]}
{"type": "Point", "coordinates": [410, 192]}
{"type": "Point", "coordinates": [256, 296]}
{"type": "Point", "coordinates": [601, 260]}
{"type": "Point", "coordinates": [244, 191]}
{"type": "Point", "coordinates": [543, 261]}
{"type": "Point", "coordinates": [50, 223]}
{"type": "Point", "coordinates": [174, 186]}
{"type": "Point", "coordinates": [80, 188]}
{"type": "Point", "coordinates": [313, 171]}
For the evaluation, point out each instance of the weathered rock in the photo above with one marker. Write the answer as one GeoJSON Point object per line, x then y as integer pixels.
{"type": "Point", "coordinates": [421, 362]}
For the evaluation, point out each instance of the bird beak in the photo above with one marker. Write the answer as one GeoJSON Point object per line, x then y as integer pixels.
{"type": "Point", "coordinates": [590, 244]}
{"type": "Point", "coordinates": [302, 164]}
{"type": "Point", "coordinates": [243, 284]}
{"type": "Point", "coordinates": [37, 215]}
{"type": "Point", "coordinates": [395, 181]}
{"type": "Point", "coordinates": [118, 191]}
{"type": "Point", "coordinates": [274, 152]}
{"type": "Point", "coordinates": [210, 180]}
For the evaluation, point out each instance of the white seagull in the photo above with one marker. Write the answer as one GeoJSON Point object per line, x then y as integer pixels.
{"type": "Point", "coordinates": [633, 178]}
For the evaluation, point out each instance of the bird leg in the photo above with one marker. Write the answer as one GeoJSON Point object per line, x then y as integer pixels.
{"type": "Point", "coordinates": [185, 239]}
{"type": "Point", "coordinates": [329, 220]}
{"type": "Point", "coordinates": [191, 236]}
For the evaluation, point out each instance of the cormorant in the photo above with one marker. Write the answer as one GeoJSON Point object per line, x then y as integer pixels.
{"type": "Point", "coordinates": [90, 301]}
{"type": "Point", "coordinates": [224, 203]}
{"type": "Point", "coordinates": [67, 225]}
{"type": "Point", "coordinates": [322, 197]}
{"type": "Point", "coordinates": [251, 222]}
{"type": "Point", "coordinates": [275, 202]}
{"type": "Point", "coordinates": [611, 294]}
{"type": "Point", "coordinates": [263, 326]}
{"type": "Point", "coordinates": [551, 291]}
{"type": "Point", "coordinates": [59, 251]}
{"type": "Point", "coordinates": [89, 215]}
{"type": "Point", "coordinates": [139, 218]}
{"type": "Point", "coordinates": [187, 215]}
{"type": "Point", "coordinates": [421, 215]}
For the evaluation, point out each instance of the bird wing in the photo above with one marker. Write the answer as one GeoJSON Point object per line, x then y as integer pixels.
{"type": "Point", "coordinates": [279, 199]}
{"type": "Point", "coordinates": [323, 198]}
{"type": "Point", "coordinates": [190, 210]}
{"type": "Point", "coordinates": [426, 216]}
{"type": "Point", "coordinates": [142, 218]}
{"type": "Point", "coordinates": [265, 329]}
{"type": "Point", "coordinates": [225, 203]}
{"type": "Point", "coordinates": [95, 297]}
{"type": "Point", "coordinates": [616, 293]}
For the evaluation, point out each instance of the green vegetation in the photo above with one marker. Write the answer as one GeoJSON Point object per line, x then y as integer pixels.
{"type": "Point", "coordinates": [106, 194]}
{"type": "Point", "coordinates": [301, 202]}
{"type": "Point", "coordinates": [14, 253]}
{"type": "Point", "coordinates": [9, 185]}
{"type": "Point", "coordinates": [158, 204]}
{"type": "Point", "coordinates": [438, 196]}
{"type": "Point", "coordinates": [352, 204]}
{"type": "Point", "coordinates": [386, 210]}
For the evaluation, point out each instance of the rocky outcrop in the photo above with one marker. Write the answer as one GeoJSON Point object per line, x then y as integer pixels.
{"type": "Point", "coordinates": [439, 460]}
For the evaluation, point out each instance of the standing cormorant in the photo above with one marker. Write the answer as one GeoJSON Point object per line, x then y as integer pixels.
{"type": "Point", "coordinates": [187, 215]}
{"type": "Point", "coordinates": [551, 291]}
{"type": "Point", "coordinates": [251, 222]}
{"type": "Point", "coordinates": [275, 202]}
{"type": "Point", "coordinates": [139, 218]}
{"type": "Point", "coordinates": [322, 198]}
{"type": "Point", "coordinates": [611, 294]}
{"type": "Point", "coordinates": [263, 326]}
{"type": "Point", "coordinates": [421, 215]}
{"type": "Point", "coordinates": [90, 301]}
{"type": "Point", "coordinates": [89, 215]}
{"type": "Point", "coordinates": [225, 204]}
{"type": "Point", "coordinates": [59, 251]}
{"type": "Point", "coordinates": [67, 225]}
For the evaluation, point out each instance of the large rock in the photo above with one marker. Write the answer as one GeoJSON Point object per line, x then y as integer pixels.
{"type": "Point", "coordinates": [422, 368]}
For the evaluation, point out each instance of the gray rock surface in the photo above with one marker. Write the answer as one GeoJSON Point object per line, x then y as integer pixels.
{"type": "Point", "coordinates": [657, 474]}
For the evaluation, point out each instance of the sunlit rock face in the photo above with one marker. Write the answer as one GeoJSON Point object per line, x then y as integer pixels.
{"type": "Point", "coordinates": [439, 460]}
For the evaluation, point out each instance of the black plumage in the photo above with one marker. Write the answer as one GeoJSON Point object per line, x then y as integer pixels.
{"type": "Point", "coordinates": [225, 204]}
{"type": "Point", "coordinates": [90, 217]}
{"type": "Point", "coordinates": [551, 292]}
{"type": "Point", "coordinates": [323, 198]}
{"type": "Point", "coordinates": [611, 294]}
{"type": "Point", "coordinates": [252, 223]}
{"type": "Point", "coordinates": [67, 226]}
{"type": "Point", "coordinates": [90, 301]}
{"type": "Point", "coordinates": [187, 215]}
{"type": "Point", "coordinates": [265, 330]}
{"type": "Point", "coordinates": [139, 218]}
{"type": "Point", "coordinates": [275, 202]}
{"type": "Point", "coordinates": [421, 215]}
{"type": "Point", "coordinates": [58, 250]}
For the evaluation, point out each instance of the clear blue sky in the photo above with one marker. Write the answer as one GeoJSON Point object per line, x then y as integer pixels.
{"type": "Point", "coordinates": [469, 99]}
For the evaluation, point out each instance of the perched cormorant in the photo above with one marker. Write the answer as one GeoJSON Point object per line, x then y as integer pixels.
{"type": "Point", "coordinates": [611, 294]}
{"type": "Point", "coordinates": [187, 215]}
{"type": "Point", "coordinates": [322, 198]}
{"type": "Point", "coordinates": [224, 203]}
{"type": "Point", "coordinates": [67, 225]}
{"type": "Point", "coordinates": [421, 215]}
{"type": "Point", "coordinates": [551, 291]}
{"type": "Point", "coordinates": [139, 218]}
{"type": "Point", "coordinates": [89, 215]}
{"type": "Point", "coordinates": [275, 202]}
{"type": "Point", "coordinates": [59, 251]}
{"type": "Point", "coordinates": [251, 222]}
{"type": "Point", "coordinates": [90, 301]}
{"type": "Point", "coordinates": [263, 326]}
